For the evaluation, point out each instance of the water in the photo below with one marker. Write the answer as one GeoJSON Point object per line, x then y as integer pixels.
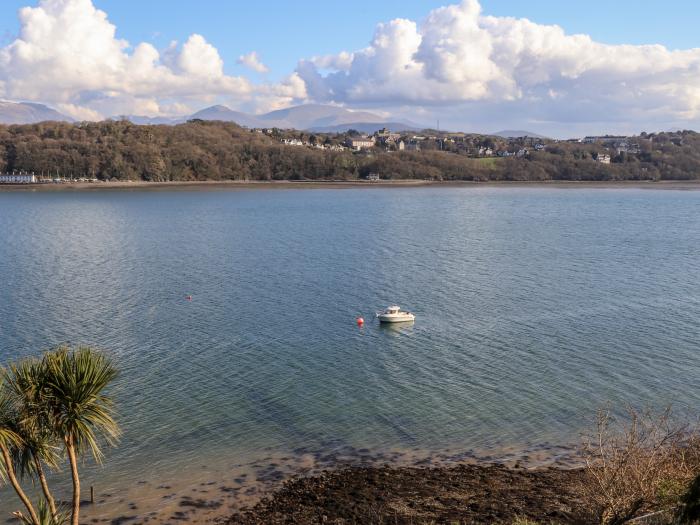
{"type": "Point", "coordinates": [534, 306]}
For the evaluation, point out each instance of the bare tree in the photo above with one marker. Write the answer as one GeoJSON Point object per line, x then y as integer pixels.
{"type": "Point", "coordinates": [635, 461]}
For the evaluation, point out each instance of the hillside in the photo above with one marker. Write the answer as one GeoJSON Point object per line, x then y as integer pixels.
{"type": "Point", "coordinates": [206, 150]}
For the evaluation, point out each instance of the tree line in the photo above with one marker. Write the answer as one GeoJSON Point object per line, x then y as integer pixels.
{"type": "Point", "coordinates": [200, 150]}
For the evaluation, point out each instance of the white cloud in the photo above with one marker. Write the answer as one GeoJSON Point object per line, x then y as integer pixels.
{"type": "Point", "coordinates": [460, 61]}
{"type": "Point", "coordinates": [252, 61]}
{"type": "Point", "coordinates": [471, 70]}
{"type": "Point", "coordinates": [68, 55]}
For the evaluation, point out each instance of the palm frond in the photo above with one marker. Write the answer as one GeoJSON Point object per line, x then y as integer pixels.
{"type": "Point", "coordinates": [76, 380]}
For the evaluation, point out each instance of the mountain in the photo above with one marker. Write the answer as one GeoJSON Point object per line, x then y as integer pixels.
{"type": "Point", "coordinates": [152, 121]}
{"type": "Point", "coordinates": [28, 113]}
{"type": "Point", "coordinates": [516, 133]}
{"type": "Point", "coordinates": [228, 115]}
{"type": "Point", "coordinates": [366, 127]}
{"type": "Point", "coordinates": [313, 117]}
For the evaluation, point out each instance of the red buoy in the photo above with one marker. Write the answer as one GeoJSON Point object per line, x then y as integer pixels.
{"type": "Point", "coordinates": [360, 321]}
{"type": "Point", "coordinates": [188, 297]}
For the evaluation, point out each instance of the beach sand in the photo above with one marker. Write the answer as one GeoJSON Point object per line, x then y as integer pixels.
{"type": "Point", "coordinates": [207, 493]}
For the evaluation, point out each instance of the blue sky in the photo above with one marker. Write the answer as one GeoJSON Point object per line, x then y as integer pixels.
{"type": "Point", "coordinates": [283, 31]}
{"type": "Point", "coordinates": [475, 64]}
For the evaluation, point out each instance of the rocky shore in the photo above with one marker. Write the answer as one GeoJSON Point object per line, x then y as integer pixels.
{"type": "Point", "coordinates": [465, 493]}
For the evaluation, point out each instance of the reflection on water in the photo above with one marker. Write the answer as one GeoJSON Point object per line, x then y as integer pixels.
{"type": "Point", "coordinates": [405, 327]}
{"type": "Point", "coordinates": [533, 306]}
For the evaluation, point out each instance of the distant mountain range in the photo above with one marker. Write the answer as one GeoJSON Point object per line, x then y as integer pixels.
{"type": "Point", "coordinates": [311, 117]}
{"type": "Point", "coordinates": [516, 133]}
{"type": "Point", "coordinates": [28, 113]}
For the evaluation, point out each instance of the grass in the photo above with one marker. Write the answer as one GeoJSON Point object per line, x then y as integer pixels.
{"type": "Point", "coordinates": [490, 162]}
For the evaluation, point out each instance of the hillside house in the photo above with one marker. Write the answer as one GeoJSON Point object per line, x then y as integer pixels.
{"type": "Point", "coordinates": [360, 143]}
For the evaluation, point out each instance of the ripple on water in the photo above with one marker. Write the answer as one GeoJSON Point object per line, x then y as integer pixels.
{"type": "Point", "coordinates": [534, 306]}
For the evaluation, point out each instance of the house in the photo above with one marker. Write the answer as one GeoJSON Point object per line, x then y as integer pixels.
{"type": "Point", "coordinates": [603, 158]}
{"type": "Point", "coordinates": [18, 178]}
{"type": "Point", "coordinates": [384, 135]}
{"type": "Point", "coordinates": [360, 143]}
{"type": "Point", "coordinates": [400, 145]}
{"type": "Point", "coordinates": [292, 142]}
{"type": "Point", "coordinates": [605, 139]}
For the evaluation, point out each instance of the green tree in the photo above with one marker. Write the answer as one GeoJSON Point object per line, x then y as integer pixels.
{"type": "Point", "coordinates": [79, 410]}
{"type": "Point", "coordinates": [39, 446]}
{"type": "Point", "coordinates": [51, 409]}
{"type": "Point", "coordinates": [9, 439]}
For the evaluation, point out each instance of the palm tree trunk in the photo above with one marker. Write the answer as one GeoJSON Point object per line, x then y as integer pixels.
{"type": "Point", "coordinates": [10, 469]}
{"type": "Point", "coordinates": [45, 487]}
{"type": "Point", "coordinates": [70, 448]}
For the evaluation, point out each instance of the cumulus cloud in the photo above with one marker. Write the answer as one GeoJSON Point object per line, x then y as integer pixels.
{"type": "Point", "coordinates": [460, 59]}
{"type": "Point", "coordinates": [472, 70]}
{"type": "Point", "coordinates": [252, 61]}
{"type": "Point", "coordinates": [68, 55]}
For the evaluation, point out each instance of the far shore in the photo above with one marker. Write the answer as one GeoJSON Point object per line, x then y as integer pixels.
{"type": "Point", "coordinates": [332, 184]}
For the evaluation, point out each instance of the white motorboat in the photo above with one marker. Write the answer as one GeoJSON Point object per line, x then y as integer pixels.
{"type": "Point", "coordinates": [393, 314]}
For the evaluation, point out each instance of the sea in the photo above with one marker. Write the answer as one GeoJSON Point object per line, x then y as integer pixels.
{"type": "Point", "coordinates": [231, 315]}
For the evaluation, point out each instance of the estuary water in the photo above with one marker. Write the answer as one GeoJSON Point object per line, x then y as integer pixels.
{"type": "Point", "coordinates": [534, 307]}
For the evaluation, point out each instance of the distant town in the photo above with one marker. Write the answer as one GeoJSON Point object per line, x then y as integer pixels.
{"type": "Point", "coordinates": [469, 144]}
{"type": "Point", "coordinates": [119, 150]}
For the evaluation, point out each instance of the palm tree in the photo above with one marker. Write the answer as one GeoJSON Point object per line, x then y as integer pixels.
{"type": "Point", "coordinates": [8, 439]}
{"type": "Point", "coordinates": [26, 381]}
{"type": "Point", "coordinates": [44, 515]}
{"type": "Point", "coordinates": [79, 411]}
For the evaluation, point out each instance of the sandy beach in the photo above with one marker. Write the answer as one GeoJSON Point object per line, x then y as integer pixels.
{"type": "Point", "coordinates": [255, 491]}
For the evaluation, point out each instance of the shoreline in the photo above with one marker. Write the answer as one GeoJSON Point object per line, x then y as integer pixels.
{"type": "Point", "coordinates": [410, 495]}
{"type": "Point", "coordinates": [228, 490]}
{"type": "Point", "coordinates": [399, 183]}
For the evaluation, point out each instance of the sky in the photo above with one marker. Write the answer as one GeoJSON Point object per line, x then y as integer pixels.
{"type": "Point", "coordinates": [546, 66]}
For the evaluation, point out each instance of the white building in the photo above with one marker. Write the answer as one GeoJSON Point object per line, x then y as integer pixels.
{"type": "Point", "coordinates": [359, 143]}
{"type": "Point", "coordinates": [18, 178]}
{"type": "Point", "coordinates": [603, 158]}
